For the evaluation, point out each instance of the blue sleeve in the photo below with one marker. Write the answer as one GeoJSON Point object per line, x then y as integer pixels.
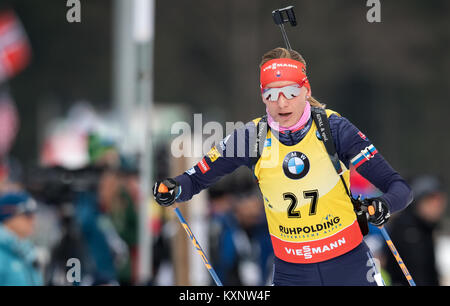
{"type": "Point", "coordinates": [231, 153]}
{"type": "Point", "coordinates": [354, 148]}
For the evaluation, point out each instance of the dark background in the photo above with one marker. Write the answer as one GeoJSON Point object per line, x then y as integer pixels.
{"type": "Point", "coordinates": [391, 79]}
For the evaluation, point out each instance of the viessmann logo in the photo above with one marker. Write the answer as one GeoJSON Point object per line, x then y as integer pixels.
{"type": "Point", "coordinates": [308, 251]}
{"type": "Point", "coordinates": [275, 66]}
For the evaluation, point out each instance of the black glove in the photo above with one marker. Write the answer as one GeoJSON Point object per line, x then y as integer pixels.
{"type": "Point", "coordinates": [377, 211]}
{"type": "Point", "coordinates": [166, 192]}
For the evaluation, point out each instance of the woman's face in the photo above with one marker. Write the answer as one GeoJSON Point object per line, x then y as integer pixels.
{"type": "Point", "coordinates": [22, 225]}
{"type": "Point", "coordinates": [286, 112]}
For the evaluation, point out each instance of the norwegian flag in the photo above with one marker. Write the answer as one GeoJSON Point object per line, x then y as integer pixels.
{"type": "Point", "coordinates": [9, 123]}
{"type": "Point", "coordinates": [15, 51]}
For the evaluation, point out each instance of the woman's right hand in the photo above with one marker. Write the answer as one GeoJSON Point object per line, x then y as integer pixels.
{"type": "Point", "coordinates": [166, 192]}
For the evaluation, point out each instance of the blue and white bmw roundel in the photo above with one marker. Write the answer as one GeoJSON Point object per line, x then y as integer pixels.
{"type": "Point", "coordinates": [295, 165]}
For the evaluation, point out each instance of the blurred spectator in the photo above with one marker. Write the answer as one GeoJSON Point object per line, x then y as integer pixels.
{"type": "Point", "coordinates": [95, 193]}
{"type": "Point", "coordinates": [119, 205]}
{"type": "Point", "coordinates": [412, 232]}
{"type": "Point", "coordinates": [18, 259]}
{"type": "Point", "coordinates": [240, 246]}
{"type": "Point", "coordinates": [90, 219]}
{"type": "Point", "coordinates": [220, 197]}
{"type": "Point", "coordinates": [89, 234]}
{"type": "Point", "coordinates": [103, 242]}
{"type": "Point", "coordinates": [118, 193]}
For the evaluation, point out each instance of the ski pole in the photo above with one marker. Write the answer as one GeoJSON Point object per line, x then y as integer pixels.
{"type": "Point", "coordinates": [397, 257]}
{"type": "Point", "coordinates": [198, 247]}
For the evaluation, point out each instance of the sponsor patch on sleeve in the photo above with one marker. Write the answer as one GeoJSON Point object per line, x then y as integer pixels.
{"type": "Point", "coordinates": [203, 166]}
{"type": "Point", "coordinates": [213, 154]}
{"type": "Point", "coordinates": [190, 171]}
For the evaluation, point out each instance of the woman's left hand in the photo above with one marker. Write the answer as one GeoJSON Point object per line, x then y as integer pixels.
{"type": "Point", "coordinates": [377, 210]}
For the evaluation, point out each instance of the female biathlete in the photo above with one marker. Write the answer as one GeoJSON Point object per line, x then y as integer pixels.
{"type": "Point", "coordinates": [315, 233]}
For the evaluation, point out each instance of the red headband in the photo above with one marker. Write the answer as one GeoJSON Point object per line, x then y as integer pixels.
{"type": "Point", "coordinates": [284, 69]}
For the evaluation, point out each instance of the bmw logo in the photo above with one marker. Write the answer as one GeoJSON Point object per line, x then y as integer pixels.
{"type": "Point", "coordinates": [295, 165]}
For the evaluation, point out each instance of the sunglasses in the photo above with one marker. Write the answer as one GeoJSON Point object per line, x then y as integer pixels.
{"type": "Point", "coordinates": [273, 93]}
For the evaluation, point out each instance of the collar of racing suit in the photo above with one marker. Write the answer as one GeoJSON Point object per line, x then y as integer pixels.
{"type": "Point", "coordinates": [290, 138]}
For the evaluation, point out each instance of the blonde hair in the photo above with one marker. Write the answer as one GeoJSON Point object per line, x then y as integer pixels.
{"type": "Point", "coordinates": [292, 54]}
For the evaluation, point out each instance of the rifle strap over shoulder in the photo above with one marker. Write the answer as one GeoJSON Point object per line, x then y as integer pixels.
{"type": "Point", "coordinates": [323, 126]}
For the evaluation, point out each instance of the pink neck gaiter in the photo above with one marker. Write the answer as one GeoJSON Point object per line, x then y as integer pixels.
{"type": "Point", "coordinates": [301, 122]}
